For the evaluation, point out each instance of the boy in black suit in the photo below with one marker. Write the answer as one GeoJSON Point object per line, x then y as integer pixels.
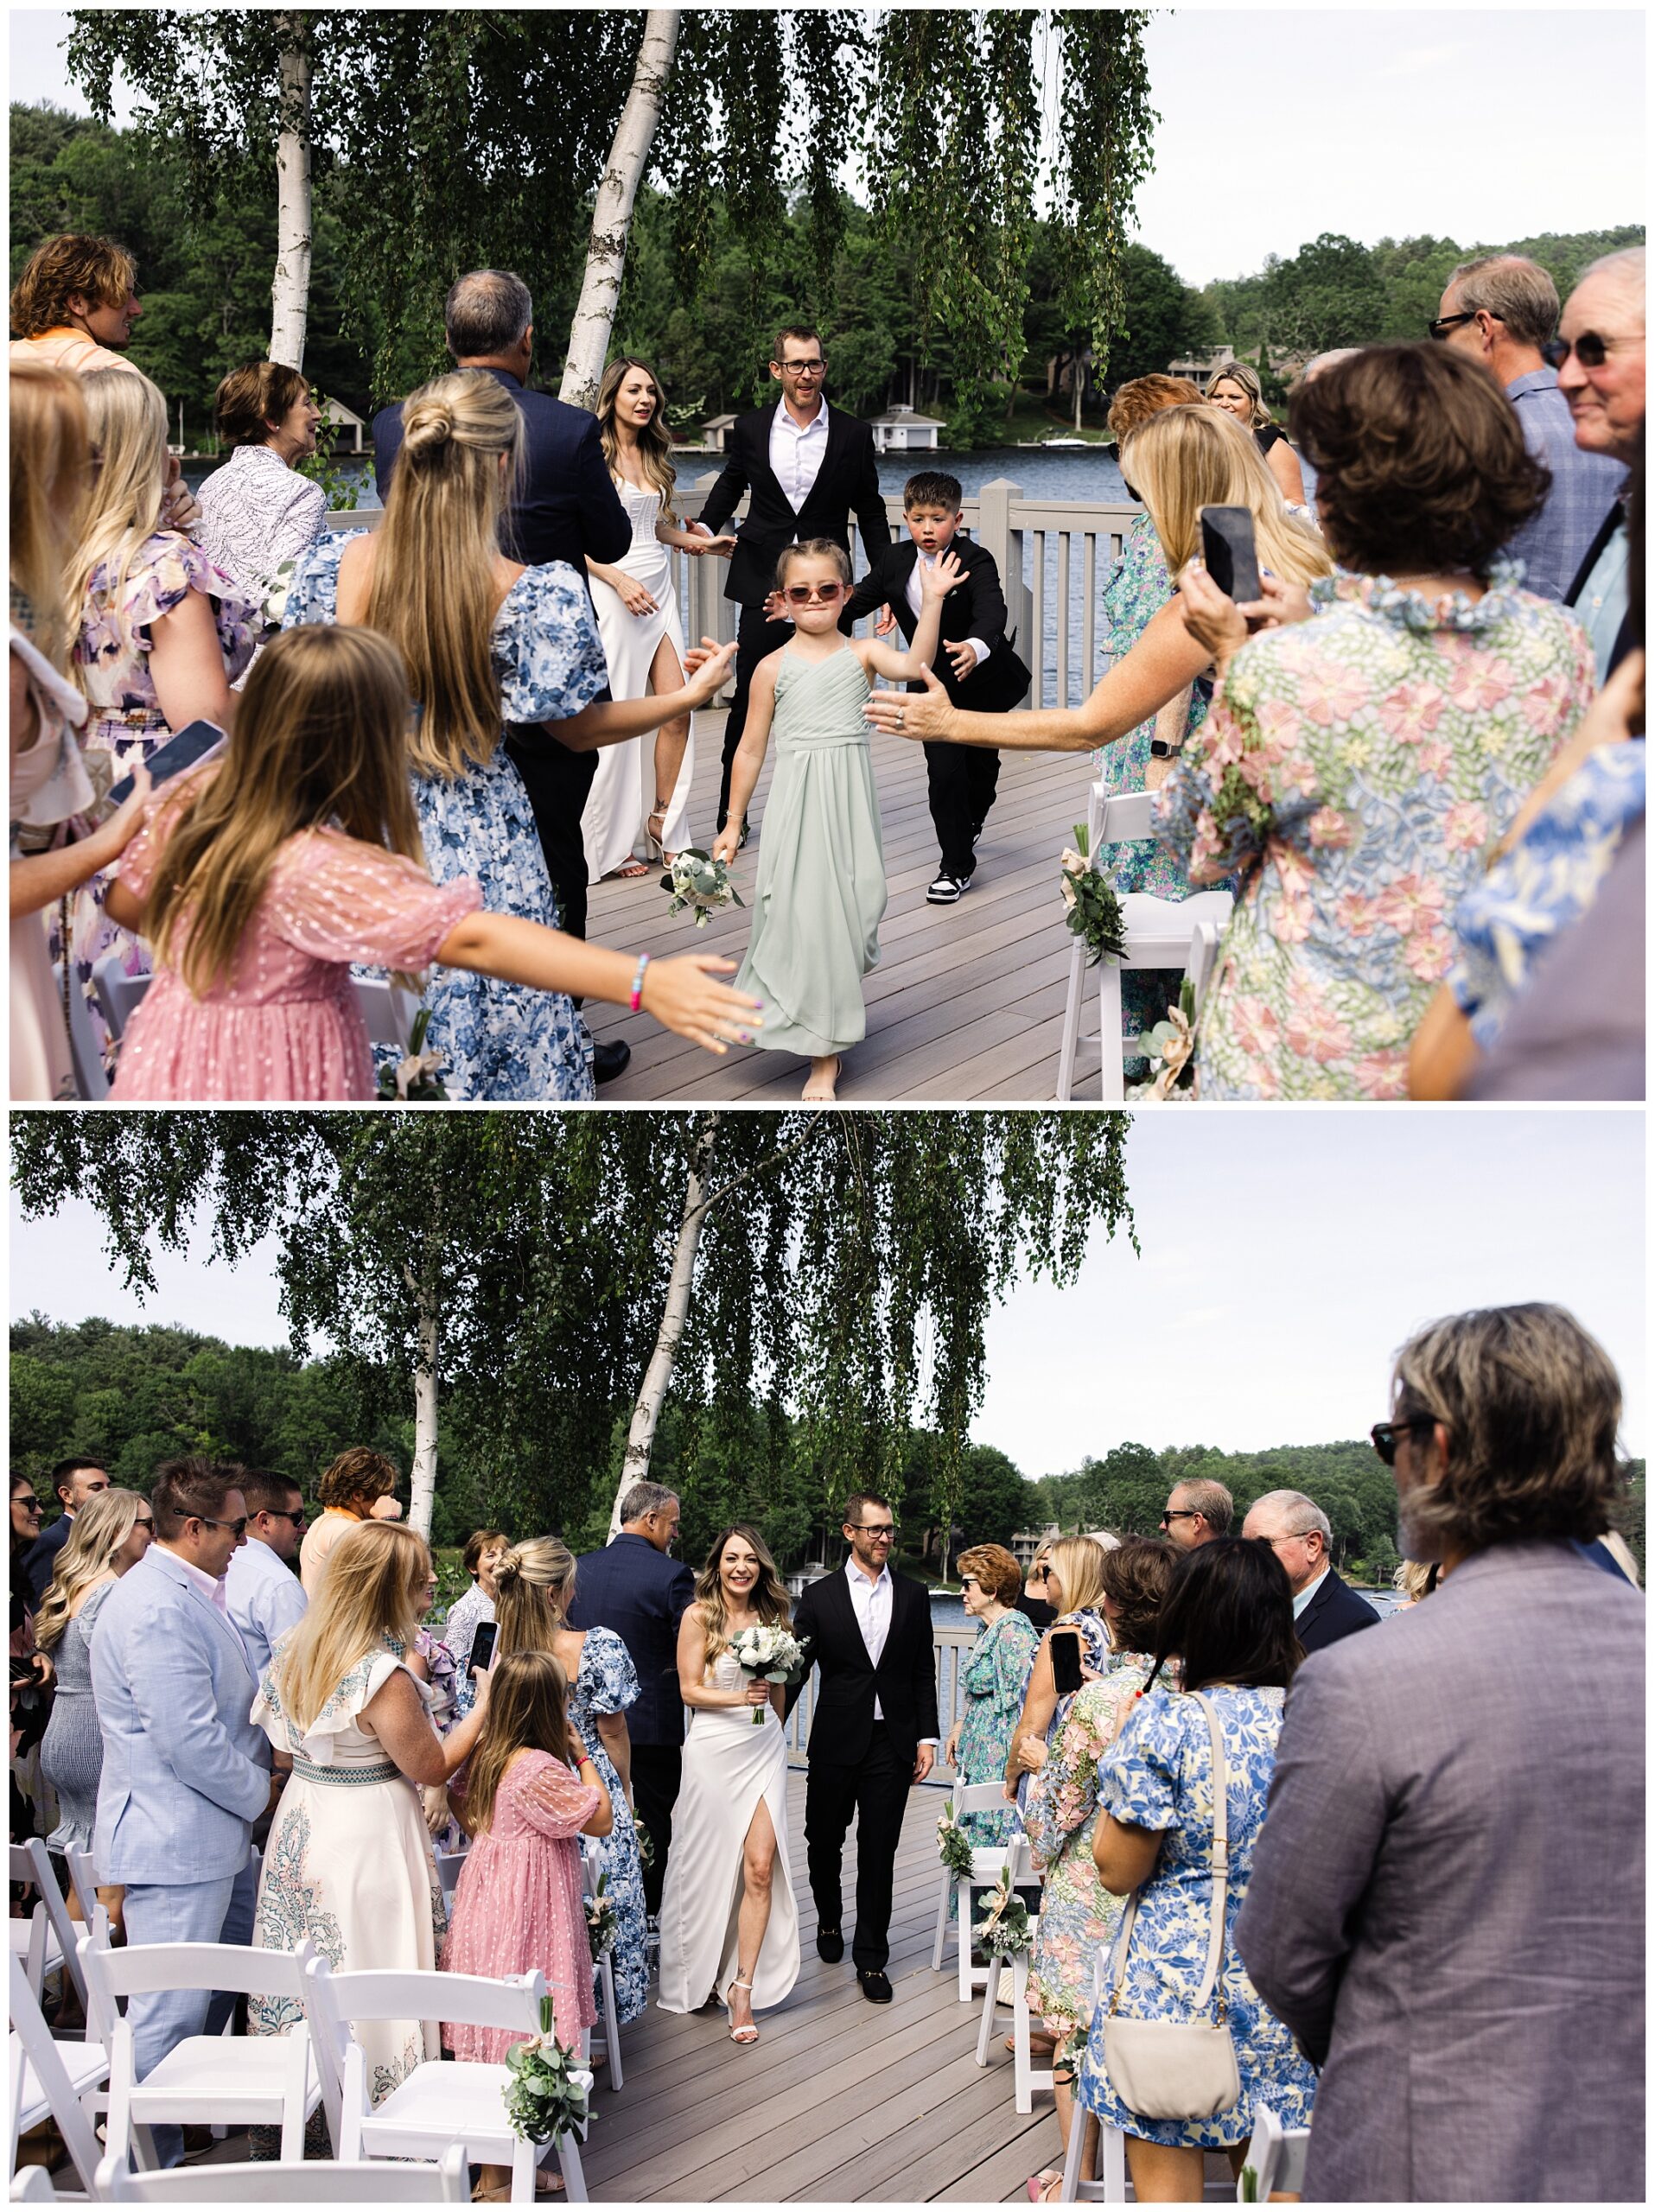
{"type": "Point", "coordinates": [978, 668]}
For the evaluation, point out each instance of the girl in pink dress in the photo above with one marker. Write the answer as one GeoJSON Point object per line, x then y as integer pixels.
{"type": "Point", "coordinates": [260, 880]}
{"type": "Point", "coordinates": [518, 1903]}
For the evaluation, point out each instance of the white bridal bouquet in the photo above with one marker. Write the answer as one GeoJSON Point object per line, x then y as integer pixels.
{"type": "Point", "coordinates": [700, 883]}
{"type": "Point", "coordinates": [768, 1653]}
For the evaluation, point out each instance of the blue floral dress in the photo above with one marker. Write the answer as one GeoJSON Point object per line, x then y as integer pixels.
{"type": "Point", "coordinates": [1135, 590]}
{"type": "Point", "coordinates": [1158, 1775]}
{"type": "Point", "coordinates": [606, 1681]}
{"type": "Point", "coordinates": [1354, 768]}
{"type": "Point", "coordinates": [1547, 881]}
{"type": "Point", "coordinates": [995, 1678]}
{"type": "Point", "coordinates": [501, 1041]}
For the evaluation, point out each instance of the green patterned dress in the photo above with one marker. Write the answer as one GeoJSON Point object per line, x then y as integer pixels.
{"type": "Point", "coordinates": [820, 893]}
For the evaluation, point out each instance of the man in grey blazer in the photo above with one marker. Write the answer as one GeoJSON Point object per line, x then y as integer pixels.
{"type": "Point", "coordinates": [185, 1773]}
{"type": "Point", "coordinates": [1447, 1898]}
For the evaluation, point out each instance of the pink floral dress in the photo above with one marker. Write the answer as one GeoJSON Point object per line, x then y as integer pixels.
{"type": "Point", "coordinates": [518, 1907]}
{"type": "Point", "coordinates": [112, 658]}
{"type": "Point", "coordinates": [286, 1025]}
{"type": "Point", "coordinates": [1354, 769]}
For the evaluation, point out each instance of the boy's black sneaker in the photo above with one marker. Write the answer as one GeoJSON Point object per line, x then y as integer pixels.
{"type": "Point", "coordinates": [947, 890]}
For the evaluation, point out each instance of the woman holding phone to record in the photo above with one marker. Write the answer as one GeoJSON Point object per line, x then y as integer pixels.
{"type": "Point", "coordinates": [1074, 1648]}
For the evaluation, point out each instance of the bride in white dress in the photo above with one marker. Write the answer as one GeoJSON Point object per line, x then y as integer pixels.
{"type": "Point", "coordinates": [730, 1926]}
{"type": "Point", "coordinates": [637, 802]}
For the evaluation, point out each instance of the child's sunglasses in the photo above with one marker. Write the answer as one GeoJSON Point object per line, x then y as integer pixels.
{"type": "Point", "coordinates": [802, 594]}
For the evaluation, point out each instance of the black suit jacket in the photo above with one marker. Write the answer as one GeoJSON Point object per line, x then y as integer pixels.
{"type": "Point", "coordinates": [641, 1594]}
{"type": "Point", "coordinates": [567, 508]}
{"type": "Point", "coordinates": [1625, 640]}
{"type": "Point", "coordinates": [848, 479]}
{"type": "Point", "coordinates": [1333, 1612]}
{"type": "Point", "coordinates": [40, 1560]}
{"type": "Point", "coordinates": [975, 608]}
{"type": "Point", "coordinates": [905, 1682]}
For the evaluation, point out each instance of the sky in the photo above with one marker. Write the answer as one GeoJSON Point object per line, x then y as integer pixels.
{"type": "Point", "coordinates": [1286, 1254]}
{"type": "Point", "coordinates": [1481, 125]}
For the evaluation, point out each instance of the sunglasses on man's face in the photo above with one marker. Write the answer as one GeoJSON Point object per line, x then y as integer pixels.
{"type": "Point", "coordinates": [1440, 325]}
{"type": "Point", "coordinates": [1385, 1434]}
{"type": "Point", "coordinates": [802, 594]}
{"type": "Point", "coordinates": [1588, 349]}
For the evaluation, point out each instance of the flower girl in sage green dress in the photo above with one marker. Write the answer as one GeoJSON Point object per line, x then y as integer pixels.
{"type": "Point", "coordinates": [820, 893]}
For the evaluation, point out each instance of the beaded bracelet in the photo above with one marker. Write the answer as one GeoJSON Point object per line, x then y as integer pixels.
{"type": "Point", "coordinates": [636, 1000]}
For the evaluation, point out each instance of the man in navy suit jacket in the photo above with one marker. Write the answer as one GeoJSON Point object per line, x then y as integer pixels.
{"type": "Point", "coordinates": [1325, 1607]}
{"type": "Point", "coordinates": [632, 1587]}
{"type": "Point", "coordinates": [566, 509]}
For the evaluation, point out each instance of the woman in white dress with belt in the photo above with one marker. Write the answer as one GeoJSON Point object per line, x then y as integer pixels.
{"type": "Point", "coordinates": [730, 1926]}
{"type": "Point", "coordinates": [635, 802]}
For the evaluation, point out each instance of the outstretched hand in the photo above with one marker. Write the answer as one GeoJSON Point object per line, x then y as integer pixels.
{"type": "Point", "coordinates": [937, 579]}
{"type": "Point", "coordinates": [705, 667]}
{"type": "Point", "coordinates": [910, 714]}
{"type": "Point", "coordinates": [681, 994]}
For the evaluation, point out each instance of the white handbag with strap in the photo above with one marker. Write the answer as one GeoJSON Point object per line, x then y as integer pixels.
{"type": "Point", "coordinates": [1172, 2069]}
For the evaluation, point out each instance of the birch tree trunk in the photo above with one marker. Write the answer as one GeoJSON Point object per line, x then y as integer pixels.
{"type": "Point", "coordinates": [423, 1480]}
{"type": "Point", "coordinates": [606, 253]}
{"type": "Point", "coordinates": [291, 286]}
{"type": "Point", "coordinates": [658, 1375]}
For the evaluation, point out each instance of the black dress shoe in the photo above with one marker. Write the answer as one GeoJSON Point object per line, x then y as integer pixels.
{"type": "Point", "coordinates": [610, 1059]}
{"type": "Point", "coordinates": [830, 1945]}
{"type": "Point", "coordinates": [875, 1987]}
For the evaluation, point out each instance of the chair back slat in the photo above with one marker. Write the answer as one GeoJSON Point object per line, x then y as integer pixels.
{"type": "Point", "coordinates": [143, 1968]}
{"type": "Point", "coordinates": [314, 2181]}
{"type": "Point", "coordinates": [980, 1797]}
{"type": "Point", "coordinates": [29, 2024]}
{"type": "Point", "coordinates": [512, 2003]}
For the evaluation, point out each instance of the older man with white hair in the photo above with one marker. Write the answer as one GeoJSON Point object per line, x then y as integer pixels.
{"type": "Point", "coordinates": [1599, 356]}
{"type": "Point", "coordinates": [1501, 310]}
{"type": "Point", "coordinates": [1325, 1607]}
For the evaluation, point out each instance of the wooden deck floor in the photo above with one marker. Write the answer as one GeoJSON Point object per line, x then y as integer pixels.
{"type": "Point", "coordinates": [841, 2101]}
{"type": "Point", "coordinates": [967, 999]}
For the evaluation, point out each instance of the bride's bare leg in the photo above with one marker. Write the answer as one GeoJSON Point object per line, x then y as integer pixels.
{"type": "Point", "coordinates": [665, 675]}
{"type": "Point", "coordinates": [758, 1873]}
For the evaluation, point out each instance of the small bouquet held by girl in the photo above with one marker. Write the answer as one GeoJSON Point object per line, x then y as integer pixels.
{"type": "Point", "coordinates": [768, 1653]}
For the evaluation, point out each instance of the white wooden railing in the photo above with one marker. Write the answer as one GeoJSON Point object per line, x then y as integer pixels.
{"type": "Point", "coordinates": [948, 1649]}
{"type": "Point", "coordinates": [1053, 557]}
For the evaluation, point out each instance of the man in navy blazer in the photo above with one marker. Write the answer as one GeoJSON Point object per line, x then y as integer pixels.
{"type": "Point", "coordinates": [632, 1587]}
{"type": "Point", "coordinates": [565, 509]}
{"type": "Point", "coordinates": [1325, 1607]}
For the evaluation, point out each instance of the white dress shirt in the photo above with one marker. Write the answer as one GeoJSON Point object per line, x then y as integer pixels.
{"type": "Point", "coordinates": [871, 1599]}
{"type": "Point", "coordinates": [916, 601]}
{"type": "Point", "coordinates": [1307, 1594]}
{"type": "Point", "coordinates": [211, 1588]}
{"type": "Point", "coordinates": [796, 451]}
{"type": "Point", "coordinates": [264, 1598]}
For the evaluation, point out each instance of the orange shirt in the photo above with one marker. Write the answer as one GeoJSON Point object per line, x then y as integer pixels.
{"type": "Point", "coordinates": [64, 348]}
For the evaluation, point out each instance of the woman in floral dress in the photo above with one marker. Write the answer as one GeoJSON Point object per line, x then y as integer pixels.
{"type": "Point", "coordinates": [994, 1679]}
{"type": "Point", "coordinates": [161, 632]}
{"type": "Point", "coordinates": [1077, 1916]}
{"type": "Point", "coordinates": [490, 646]}
{"type": "Point", "coordinates": [1228, 1616]}
{"type": "Point", "coordinates": [1356, 766]}
{"type": "Point", "coordinates": [348, 1862]}
{"type": "Point", "coordinates": [535, 1582]}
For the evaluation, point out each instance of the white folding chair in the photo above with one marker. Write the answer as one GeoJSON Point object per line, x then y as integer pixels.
{"type": "Point", "coordinates": [1027, 2077]}
{"type": "Point", "coordinates": [987, 1866]}
{"type": "Point", "coordinates": [33, 2185]}
{"type": "Point", "coordinates": [387, 1009]}
{"type": "Point", "coordinates": [450, 1864]}
{"type": "Point", "coordinates": [90, 1081]}
{"type": "Point", "coordinates": [43, 1940]}
{"type": "Point", "coordinates": [83, 1872]}
{"type": "Point", "coordinates": [223, 2080]}
{"type": "Point", "coordinates": [609, 2041]}
{"type": "Point", "coordinates": [1277, 2157]}
{"type": "Point", "coordinates": [313, 2181]}
{"type": "Point", "coordinates": [441, 2101]}
{"type": "Point", "coordinates": [1109, 2186]}
{"type": "Point", "coordinates": [66, 1931]}
{"type": "Point", "coordinates": [52, 2080]}
{"type": "Point", "coordinates": [1160, 933]}
{"type": "Point", "coordinates": [119, 995]}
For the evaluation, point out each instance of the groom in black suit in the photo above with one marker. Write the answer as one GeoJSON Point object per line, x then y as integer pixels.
{"type": "Point", "coordinates": [806, 465]}
{"type": "Point", "coordinates": [873, 1734]}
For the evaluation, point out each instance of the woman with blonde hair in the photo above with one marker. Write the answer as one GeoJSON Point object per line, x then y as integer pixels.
{"type": "Point", "coordinates": [638, 616]}
{"type": "Point", "coordinates": [730, 1926]}
{"type": "Point", "coordinates": [161, 632]}
{"type": "Point", "coordinates": [534, 1583]}
{"type": "Point", "coordinates": [1237, 390]}
{"type": "Point", "coordinates": [489, 646]}
{"type": "Point", "coordinates": [348, 1862]}
{"type": "Point", "coordinates": [112, 1532]}
{"type": "Point", "coordinates": [1074, 1578]}
{"type": "Point", "coordinates": [54, 847]}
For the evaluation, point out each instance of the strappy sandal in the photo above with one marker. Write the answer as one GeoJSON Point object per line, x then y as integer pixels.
{"type": "Point", "coordinates": [1037, 2184]}
{"type": "Point", "coordinates": [653, 836]}
{"type": "Point", "coordinates": [809, 1097]}
{"type": "Point", "coordinates": [748, 2033]}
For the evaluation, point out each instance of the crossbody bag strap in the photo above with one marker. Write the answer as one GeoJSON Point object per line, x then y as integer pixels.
{"type": "Point", "coordinates": [1221, 1878]}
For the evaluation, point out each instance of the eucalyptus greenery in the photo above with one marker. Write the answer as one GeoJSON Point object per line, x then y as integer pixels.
{"type": "Point", "coordinates": [1004, 1929]}
{"type": "Point", "coordinates": [846, 1267]}
{"type": "Point", "coordinates": [954, 1847]}
{"type": "Point", "coordinates": [546, 2095]}
{"type": "Point", "coordinates": [600, 1924]}
{"type": "Point", "coordinates": [1093, 906]}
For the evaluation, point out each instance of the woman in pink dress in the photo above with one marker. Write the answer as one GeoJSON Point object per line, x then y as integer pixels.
{"type": "Point", "coordinates": [519, 1905]}
{"type": "Point", "coordinates": [258, 882]}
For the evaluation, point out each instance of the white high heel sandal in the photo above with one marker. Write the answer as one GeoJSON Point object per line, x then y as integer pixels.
{"type": "Point", "coordinates": [748, 2034]}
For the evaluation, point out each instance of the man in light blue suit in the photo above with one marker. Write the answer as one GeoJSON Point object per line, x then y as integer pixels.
{"type": "Point", "coordinates": [186, 1772]}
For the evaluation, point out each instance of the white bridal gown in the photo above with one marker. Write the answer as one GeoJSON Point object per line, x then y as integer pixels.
{"type": "Point", "coordinates": [728, 1766]}
{"type": "Point", "coordinates": [623, 791]}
